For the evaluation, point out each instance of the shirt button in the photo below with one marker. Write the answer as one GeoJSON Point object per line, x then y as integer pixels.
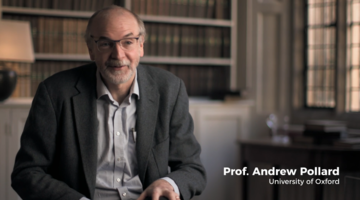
{"type": "Point", "coordinates": [118, 159]}
{"type": "Point", "coordinates": [118, 133]}
{"type": "Point", "coordinates": [124, 194]}
{"type": "Point", "coordinates": [118, 180]}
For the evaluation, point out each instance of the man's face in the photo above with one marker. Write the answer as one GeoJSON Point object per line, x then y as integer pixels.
{"type": "Point", "coordinates": [116, 65]}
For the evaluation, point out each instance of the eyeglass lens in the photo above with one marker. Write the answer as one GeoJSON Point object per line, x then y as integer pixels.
{"type": "Point", "coordinates": [126, 44]}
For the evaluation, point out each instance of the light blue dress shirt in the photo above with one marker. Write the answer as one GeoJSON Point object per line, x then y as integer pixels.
{"type": "Point", "coordinates": [117, 174]}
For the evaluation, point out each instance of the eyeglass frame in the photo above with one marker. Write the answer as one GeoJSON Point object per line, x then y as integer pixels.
{"type": "Point", "coordinates": [115, 41]}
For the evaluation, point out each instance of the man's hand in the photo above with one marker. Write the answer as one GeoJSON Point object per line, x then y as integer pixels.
{"type": "Point", "coordinates": [159, 188]}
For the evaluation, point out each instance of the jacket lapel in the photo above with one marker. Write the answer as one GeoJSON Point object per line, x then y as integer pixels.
{"type": "Point", "coordinates": [147, 108]}
{"type": "Point", "coordinates": [84, 105]}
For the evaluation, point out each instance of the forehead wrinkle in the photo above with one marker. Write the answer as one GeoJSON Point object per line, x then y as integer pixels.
{"type": "Point", "coordinates": [105, 37]}
{"type": "Point", "coordinates": [114, 23]}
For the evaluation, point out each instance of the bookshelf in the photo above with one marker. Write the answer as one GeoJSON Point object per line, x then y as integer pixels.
{"type": "Point", "coordinates": [145, 18]}
{"type": "Point", "coordinates": [212, 30]}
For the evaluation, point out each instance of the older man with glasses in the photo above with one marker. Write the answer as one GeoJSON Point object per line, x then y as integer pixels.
{"type": "Point", "coordinates": [112, 129]}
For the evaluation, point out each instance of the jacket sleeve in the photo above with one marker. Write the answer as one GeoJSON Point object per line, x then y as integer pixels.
{"type": "Point", "coordinates": [30, 177]}
{"type": "Point", "coordinates": [184, 156]}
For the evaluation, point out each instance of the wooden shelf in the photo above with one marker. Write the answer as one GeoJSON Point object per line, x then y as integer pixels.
{"type": "Point", "coordinates": [47, 12]}
{"type": "Point", "coordinates": [62, 57]}
{"type": "Point", "coordinates": [145, 59]}
{"type": "Point", "coordinates": [186, 20]}
{"type": "Point", "coordinates": [145, 18]}
{"type": "Point", "coordinates": [186, 61]}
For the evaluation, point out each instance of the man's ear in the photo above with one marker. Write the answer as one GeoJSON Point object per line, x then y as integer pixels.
{"type": "Point", "coordinates": [141, 41]}
{"type": "Point", "coordinates": [91, 53]}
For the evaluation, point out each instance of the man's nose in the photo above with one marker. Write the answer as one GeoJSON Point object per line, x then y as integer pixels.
{"type": "Point", "coordinates": [117, 51]}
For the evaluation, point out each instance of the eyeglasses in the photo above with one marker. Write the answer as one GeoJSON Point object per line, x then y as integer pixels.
{"type": "Point", "coordinates": [126, 44]}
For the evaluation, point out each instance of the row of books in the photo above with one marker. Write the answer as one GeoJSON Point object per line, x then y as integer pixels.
{"type": "Point", "coordinates": [65, 35]}
{"type": "Point", "coordinates": [56, 35]}
{"type": "Point", "coordinates": [199, 80]}
{"type": "Point", "coordinates": [211, 9]}
{"type": "Point", "coordinates": [78, 5]}
{"type": "Point", "coordinates": [187, 41]}
{"type": "Point", "coordinates": [30, 75]}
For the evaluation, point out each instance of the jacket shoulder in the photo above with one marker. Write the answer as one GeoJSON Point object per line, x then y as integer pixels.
{"type": "Point", "coordinates": [159, 75]}
{"type": "Point", "coordinates": [63, 84]}
{"type": "Point", "coordinates": [70, 76]}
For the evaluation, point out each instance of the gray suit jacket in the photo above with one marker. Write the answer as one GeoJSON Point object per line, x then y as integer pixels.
{"type": "Point", "coordinates": [58, 154]}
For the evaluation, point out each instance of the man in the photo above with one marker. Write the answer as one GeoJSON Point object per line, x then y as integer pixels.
{"type": "Point", "coordinates": [110, 129]}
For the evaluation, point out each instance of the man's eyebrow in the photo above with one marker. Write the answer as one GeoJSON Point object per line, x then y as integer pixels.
{"type": "Point", "coordinates": [129, 34]}
{"type": "Point", "coordinates": [103, 37]}
{"type": "Point", "coordinates": [125, 36]}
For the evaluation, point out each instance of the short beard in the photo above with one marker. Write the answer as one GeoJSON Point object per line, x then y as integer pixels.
{"type": "Point", "coordinates": [117, 77]}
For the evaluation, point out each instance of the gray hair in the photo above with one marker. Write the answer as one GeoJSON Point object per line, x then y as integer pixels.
{"type": "Point", "coordinates": [141, 25]}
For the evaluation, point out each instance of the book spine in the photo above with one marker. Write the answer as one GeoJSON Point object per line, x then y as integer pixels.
{"type": "Point", "coordinates": [41, 34]}
{"type": "Point", "coordinates": [74, 36]}
{"type": "Point", "coordinates": [218, 42]}
{"type": "Point", "coordinates": [75, 5]}
{"type": "Point", "coordinates": [179, 10]}
{"type": "Point", "coordinates": [175, 41]}
{"type": "Point", "coordinates": [192, 41]}
{"type": "Point", "coordinates": [34, 32]}
{"type": "Point", "coordinates": [153, 39]}
{"type": "Point", "coordinates": [46, 35]}
{"type": "Point", "coordinates": [219, 9]}
{"type": "Point", "coordinates": [173, 8]}
{"type": "Point", "coordinates": [79, 40]}
{"type": "Point", "coordinates": [161, 40]}
{"type": "Point", "coordinates": [202, 8]}
{"type": "Point", "coordinates": [71, 47]}
{"type": "Point", "coordinates": [93, 5]}
{"type": "Point", "coordinates": [166, 10]}
{"type": "Point", "coordinates": [149, 7]}
{"type": "Point", "coordinates": [227, 9]}
{"type": "Point", "coordinates": [88, 4]}
{"type": "Point", "coordinates": [13, 3]}
{"type": "Point", "coordinates": [51, 47]}
{"type": "Point", "coordinates": [142, 7]}
{"type": "Point", "coordinates": [45, 4]}
{"type": "Point", "coordinates": [210, 9]}
{"type": "Point", "coordinates": [168, 34]}
{"type": "Point", "coordinates": [227, 43]}
{"type": "Point", "coordinates": [60, 36]}
{"type": "Point", "coordinates": [135, 6]}
{"type": "Point", "coordinates": [6, 2]}
{"type": "Point", "coordinates": [200, 42]}
{"type": "Point", "coordinates": [191, 8]}
{"type": "Point", "coordinates": [147, 39]}
{"type": "Point", "coordinates": [66, 4]}
{"type": "Point", "coordinates": [54, 35]}
{"type": "Point", "coordinates": [84, 49]}
{"type": "Point", "coordinates": [209, 42]}
{"type": "Point", "coordinates": [160, 10]}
